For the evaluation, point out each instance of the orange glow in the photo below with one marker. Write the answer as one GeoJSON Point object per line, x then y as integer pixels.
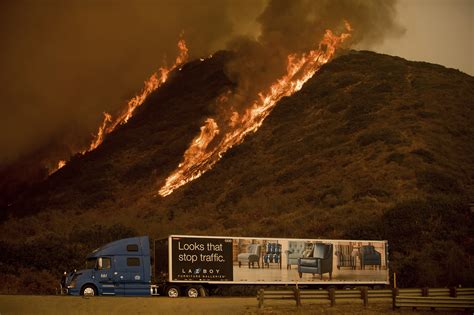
{"type": "Point", "coordinates": [201, 157]}
{"type": "Point", "coordinates": [155, 81]}
{"type": "Point", "coordinates": [60, 164]}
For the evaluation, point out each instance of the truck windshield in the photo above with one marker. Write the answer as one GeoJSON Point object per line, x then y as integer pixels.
{"type": "Point", "coordinates": [90, 263]}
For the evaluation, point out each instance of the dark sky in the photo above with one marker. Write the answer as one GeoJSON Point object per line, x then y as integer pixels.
{"type": "Point", "coordinates": [65, 62]}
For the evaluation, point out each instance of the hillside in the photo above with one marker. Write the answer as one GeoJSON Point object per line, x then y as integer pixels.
{"type": "Point", "coordinates": [373, 146]}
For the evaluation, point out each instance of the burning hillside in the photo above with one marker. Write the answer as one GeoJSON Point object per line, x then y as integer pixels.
{"type": "Point", "coordinates": [287, 132]}
{"type": "Point", "coordinates": [369, 137]}
{"type": "Point", "coordinates": [208, 147]}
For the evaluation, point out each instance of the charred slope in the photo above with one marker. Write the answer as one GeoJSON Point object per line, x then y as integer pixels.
{"type": "Point", "coordinates": [373, 146]}
{"type": "Point", "coordinates": [127, 164]}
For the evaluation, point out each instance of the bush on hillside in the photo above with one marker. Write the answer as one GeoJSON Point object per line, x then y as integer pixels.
{"type": "Point", "coordinates": [385, 135]}
{"type": "Point", "coordinates": [428, 242]}
{"type": "Point", "coordinates": [434, 181]}
{"type": "Point", "coordinates": [425, 155]}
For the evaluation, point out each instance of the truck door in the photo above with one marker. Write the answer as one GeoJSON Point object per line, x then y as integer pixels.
{"type": "Point", "coordinates": [106, 275]}
{"type": "Point", "coordinates": [132, 276]}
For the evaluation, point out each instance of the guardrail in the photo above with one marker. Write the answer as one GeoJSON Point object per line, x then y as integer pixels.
{"type": "Point", "coordinates": [466, 303]}
{"type": "Point", "coordinates": [399, 297]}
{"type": "Point", "coordinates": [277, 295]}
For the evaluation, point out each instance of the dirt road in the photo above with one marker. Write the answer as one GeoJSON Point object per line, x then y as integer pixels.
{"type": "Point", "coordinates": [21, 304]}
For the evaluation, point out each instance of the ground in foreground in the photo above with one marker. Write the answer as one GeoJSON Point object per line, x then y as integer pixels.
{"type": "Point", "coordinates": [21, 304]}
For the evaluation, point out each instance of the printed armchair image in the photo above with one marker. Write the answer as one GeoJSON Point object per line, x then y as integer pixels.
{"type": "Point", "coordinates": [369, 257]}
{"type": "Point", "coordinates": [318, 262]}
{"type": "Point", "coordinates": [251, 257]}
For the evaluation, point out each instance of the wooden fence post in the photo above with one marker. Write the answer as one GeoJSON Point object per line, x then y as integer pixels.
{"type": "Point", "coordinates": [332, 296]}
{"type": "Point", "coordinates": [260, 298]}
{"type": "Point", "coordinates": [297, 296]}
{"type": "Point", "coordinates": [364, 294]}
{"type": "Point", "coordinates": [453, 292]}
{"type": "Point", "coordinates": [394, 297]}
{"type": "Point", "coordinates": [425, 291]}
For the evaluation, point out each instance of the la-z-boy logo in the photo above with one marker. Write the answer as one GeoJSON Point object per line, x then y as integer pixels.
{"type": "Point", "coordinates": [200, 271]}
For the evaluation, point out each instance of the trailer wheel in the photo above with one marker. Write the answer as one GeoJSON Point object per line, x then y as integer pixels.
{"type": "Point", "coordinates": [89, 290]}
{"type": "Point", "coordinates": [172, 291]}
{"type": "Point", "coordinates": [192, 292]}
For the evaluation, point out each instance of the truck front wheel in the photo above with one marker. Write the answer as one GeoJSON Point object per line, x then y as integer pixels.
{"type": "Point", "coordinates": [89, 290]}
{"type": "Point", "coordinates": [172, 291]}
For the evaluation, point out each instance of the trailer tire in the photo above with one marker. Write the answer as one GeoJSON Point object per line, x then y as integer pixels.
{"type": "Point", "coordinates": [172, 291]}
{"type": "Point", "coordinates": [88, 290]}
{"type": "Point", "coordinates": [193, 291]}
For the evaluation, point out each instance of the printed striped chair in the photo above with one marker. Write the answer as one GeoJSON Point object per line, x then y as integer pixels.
{"type": "Point", "coordinates": [345, 258]}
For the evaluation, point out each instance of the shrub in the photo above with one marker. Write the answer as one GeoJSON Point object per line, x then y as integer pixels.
{"type": "Point", "coordinates": [425, 155]}
{"type": "Point", "coordinates": [385, 135]}
{"type": "Point", "coordinates": [427, 241]}
{"type": "Point", "coordinates": [434, 181]}
{"type": "Point", "coordinates": [395, 157]}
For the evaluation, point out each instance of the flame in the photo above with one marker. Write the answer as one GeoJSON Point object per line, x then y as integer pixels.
{"type": "Point", "coordinates": [108, 124]}
{"type": "Point", "coordinates": [155, 81]}
{"type": "Point", "coordinates": [201, 157]}
{"type": "Point", "coordinates": [196, 156]}
{"type": "Point", "coordinates": [60, 164]}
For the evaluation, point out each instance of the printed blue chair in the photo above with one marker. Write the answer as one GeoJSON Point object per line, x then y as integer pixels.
{"type": "Point", "coordinates": [272, 255]}
{"type": "Point", "coordinates": [369, 257]}
{"type": "Point", "coordinates": [319, 262]}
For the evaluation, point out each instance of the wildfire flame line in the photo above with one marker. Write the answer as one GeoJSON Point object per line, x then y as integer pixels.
{"type": "Point", "coordinates": [200, 157]}
{"type": "Point", "coordinates": [109, 123]}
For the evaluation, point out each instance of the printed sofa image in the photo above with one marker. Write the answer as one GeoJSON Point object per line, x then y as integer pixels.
{"type": "Point", "coordinates": [319, 261]}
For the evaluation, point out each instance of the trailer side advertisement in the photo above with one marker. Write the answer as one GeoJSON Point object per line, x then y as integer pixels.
{"type": "Point", "coordinates": [258, 260]}
{"type": "Point", "coordinates": [202, 259]}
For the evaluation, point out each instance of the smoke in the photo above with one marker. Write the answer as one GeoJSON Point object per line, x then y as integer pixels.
{"type": "Point", "coordinates": [297, 26]}
{"type": "Point", "coordinates": [292, 27]}
{"type": "Point", "coordinates": [296, 38]}
{"type": "Point", "coordinates": [65, 62]}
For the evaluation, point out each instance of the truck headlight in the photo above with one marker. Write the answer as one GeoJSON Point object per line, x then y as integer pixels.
{"type": "Point", "coordinates": [72, 283]}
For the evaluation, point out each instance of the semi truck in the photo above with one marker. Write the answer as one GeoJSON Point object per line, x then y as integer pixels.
{"type": "Point", "coordinates": [192, 266]}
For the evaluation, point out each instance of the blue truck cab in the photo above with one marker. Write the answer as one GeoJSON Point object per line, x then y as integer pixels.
{"type": "Point", "coordinates": [119, 268]}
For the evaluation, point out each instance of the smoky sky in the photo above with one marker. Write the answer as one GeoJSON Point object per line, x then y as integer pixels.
{"type": "Point", "coordinates": [298, 26]}
{"type": "Point", "coordinates": [65, 62]}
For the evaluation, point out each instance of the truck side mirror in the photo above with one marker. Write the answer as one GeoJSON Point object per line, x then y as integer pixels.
{"type": "Point", "coordinates": [99, 263]}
